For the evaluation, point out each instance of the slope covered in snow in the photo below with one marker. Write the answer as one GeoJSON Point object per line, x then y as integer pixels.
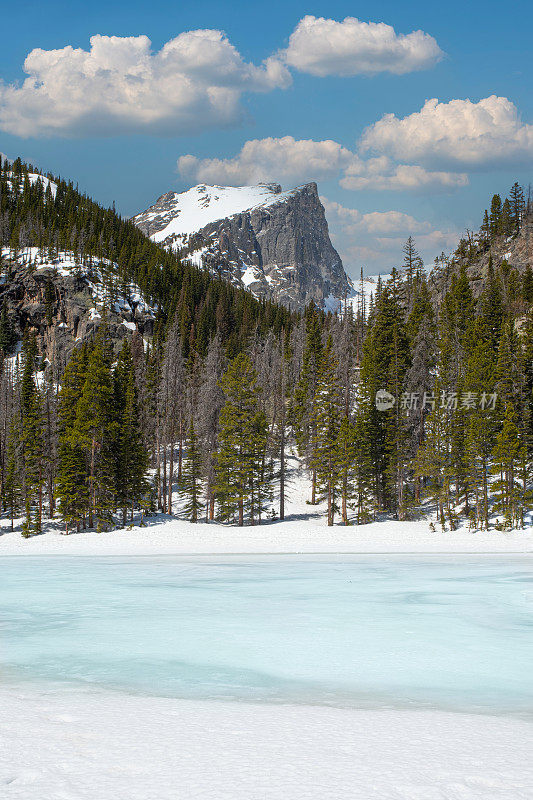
{"type": "Point", "coordinates": [190, 211]}
{"type": "Point", "coordinates": [33, 177]}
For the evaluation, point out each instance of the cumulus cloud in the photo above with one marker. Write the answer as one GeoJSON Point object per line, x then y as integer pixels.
{"type": "Point", "coordinates": [374, 240]}
{"type": "Point", "coordinates": [285, 159]}
{"type": "Point", "coordinates": [323, 47]}
{"type": "Point", "coordinates": [382, 174]}
{"type": "Point", "coordinates": [383, 222]}
{"type": "Point", "coordinates": [290, 160]}
{"type": "Point", "coordinates": [459, 133]}
{"type": "Point", "coordinates": [120, 86]}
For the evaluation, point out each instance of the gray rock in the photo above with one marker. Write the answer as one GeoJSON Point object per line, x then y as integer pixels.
{"type": "Point", "coordinates": [63, 309]}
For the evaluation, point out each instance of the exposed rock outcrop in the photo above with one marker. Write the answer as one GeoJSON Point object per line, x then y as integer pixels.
{"type": "Point", "coordinates": [514, 252]}
{"type": "Point", "coordinates": [64, 303]}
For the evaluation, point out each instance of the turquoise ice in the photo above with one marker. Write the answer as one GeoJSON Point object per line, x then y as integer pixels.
{"type": "Point", "coordinates": [435, 631]}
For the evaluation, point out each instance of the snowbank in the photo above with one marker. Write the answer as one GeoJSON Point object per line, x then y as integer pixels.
{"type": "Point", "coordinates": [172, 536]}
{"type": "Point", "coordinates": [85, 745]}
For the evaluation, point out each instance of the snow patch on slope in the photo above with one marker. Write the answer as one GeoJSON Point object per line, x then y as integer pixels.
{"type": "Point", "coordinates": [33, 177]}
{"type": "Point", "coordinates": [192, 210]}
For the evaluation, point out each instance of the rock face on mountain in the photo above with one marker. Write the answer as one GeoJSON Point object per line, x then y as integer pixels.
{"type": "Point", "coordinates": [506, 252]}
{"type": "Point", "coordinates": [64, 302]}
{"type": "Point", "coordinates": [274, 243]}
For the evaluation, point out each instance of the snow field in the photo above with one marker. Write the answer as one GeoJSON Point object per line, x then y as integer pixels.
{"type": "Point", "coordinates": [201, 205]}
{"type": "Point", "coordinates": [107, 746]}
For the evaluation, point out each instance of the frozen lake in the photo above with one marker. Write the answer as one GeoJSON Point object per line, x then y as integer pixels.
{"type": "Point", "coordinates": [368, 631]}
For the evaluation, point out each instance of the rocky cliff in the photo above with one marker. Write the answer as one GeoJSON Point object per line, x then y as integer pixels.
{"type": "Point", "coordinates": [510, 253]}
{"type": "Point", "coordinates": [274, 243]}
{"type": "Point", "coordinates": [63, 302]}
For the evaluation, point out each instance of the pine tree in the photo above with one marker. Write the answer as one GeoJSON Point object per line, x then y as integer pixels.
{"type": "Point", "coordinates": [507, 454]}
{"type": "Point", "coordinates": [301, 415]}
{"type": "Point", "coordinates": [210, 403]}
{"type": "Point", "coordinates": [13, 485]}
{"type": "Point", "coordinates": [384, 366]}
{"type": "Point", "coordinates": [411, 262]}
{"type": "Point", "coordinates": [72, 480]}
{"type": "Point", "coordinates": [491, 308]}
{"type": "Point", "coordinates": [191, 482]}
{"type": "Point", "coordinates": [433, 458]}
{"type": "Point", "coordinates": [509, 374]}
{"type": "Point", "coordinates": [495, 216]}
{"type": "Point", "coordinates": [485, 227]}
{"type": "Point", "coordinates": [507, 224]}
{"type": "Point", "coordinates": [419, 381]}
{"type": "Point", "coordinates": [326, 417]}
{"type": "Point", "coordinates": [131, 455]}
{"type": "Point", "coordinates": [481, 421]}
{"type": "Point", "coordinates": [32, 444]}
{"type": "Point", "coordinates": [345, 461]}
{"type": "Point", "coordinates": [94, 431]}
{"type": "Point", "coordinates": [517, 206]}
{"type": "Point", "coordinates": [8, 336]}
{"type": "Point", "coordinates": [236, 458]}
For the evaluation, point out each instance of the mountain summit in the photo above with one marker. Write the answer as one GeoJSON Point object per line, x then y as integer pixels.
{"type": "Point", "coordinates": [274, 243]}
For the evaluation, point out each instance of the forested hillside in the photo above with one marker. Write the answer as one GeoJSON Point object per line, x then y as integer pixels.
{"type": "Point", "coordinates": [419, 400]}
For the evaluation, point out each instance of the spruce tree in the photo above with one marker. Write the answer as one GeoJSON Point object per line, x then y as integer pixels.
{"type": "Point", "coordinates": [384, 366]}
{"type": "Point", "coordinates": [481, 422]}
{"type": "Point", "coordinates": [72, 477]}
{"type": "Point", "coordinates": [241, 436]}
{"type": "Point", "coordinates": [507, 455]}
{"type": "Point", "coordinates": [130, 452]}
{"type": "Point", "coordinates": [191, 481]}
{"type": "Point", "coordinates": [326, 417]}
{"type": "Point", "coordinates": [345, 461]}
{"type": "Point", "coordinates": [95, 432]}
{"type": "Point", "coordinates": [517, 206]}
{"type": "Point", "coordinates": [8, 336]}
{"type": "Point", "coordinates": [301, 413]}
{"type": "Point", "coordinates": [495, 216]}
{"type": "Point", "coordinates": [32, 442]}
{"type": "Point", "coordinates": [12, 483]}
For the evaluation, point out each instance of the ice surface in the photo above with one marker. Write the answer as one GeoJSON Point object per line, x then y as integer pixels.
{"type": "Point", "coordinates": [350, 631]}
{"type": "Point", "coordinates": [105, 661]}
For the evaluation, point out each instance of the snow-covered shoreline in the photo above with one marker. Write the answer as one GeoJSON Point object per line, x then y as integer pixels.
{"type": "Point", "coordinates": [103, 744]}
{"type": "Point", "coordinates": [170, 536]}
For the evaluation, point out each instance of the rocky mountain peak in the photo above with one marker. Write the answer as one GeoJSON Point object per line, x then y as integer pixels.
{"type": "Point", "coordinates": [273, 242]}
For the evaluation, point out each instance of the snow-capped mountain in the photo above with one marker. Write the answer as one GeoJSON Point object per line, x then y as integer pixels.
{"type": "Point", "coordinates": [275, 243]}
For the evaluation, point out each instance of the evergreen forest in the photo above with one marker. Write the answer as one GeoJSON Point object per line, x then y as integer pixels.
{"type": "Point", "coordinates": [415, 399]}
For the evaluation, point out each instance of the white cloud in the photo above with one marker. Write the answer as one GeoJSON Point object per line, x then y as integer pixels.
{"type": "Point", "coordinates": [374, 240]}
{"type": "Point", "coordinates": [374, 221]}
{"type": "Point", "coordinates": [323, 47]}
{"type": "Point", "coordinates": [285, 159]}
{"type": "Point", "coordinates": [120, 86]}
{"type": "Point", "coordinates": [381, 174]}
{"type": "Point", "coordinates": [289, 160]}
{"type": "Point", "coordinates": [459, 133]}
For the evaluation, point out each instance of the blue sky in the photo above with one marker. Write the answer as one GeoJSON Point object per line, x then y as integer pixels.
{"type": "Point", "coordinates": [118, 119]}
